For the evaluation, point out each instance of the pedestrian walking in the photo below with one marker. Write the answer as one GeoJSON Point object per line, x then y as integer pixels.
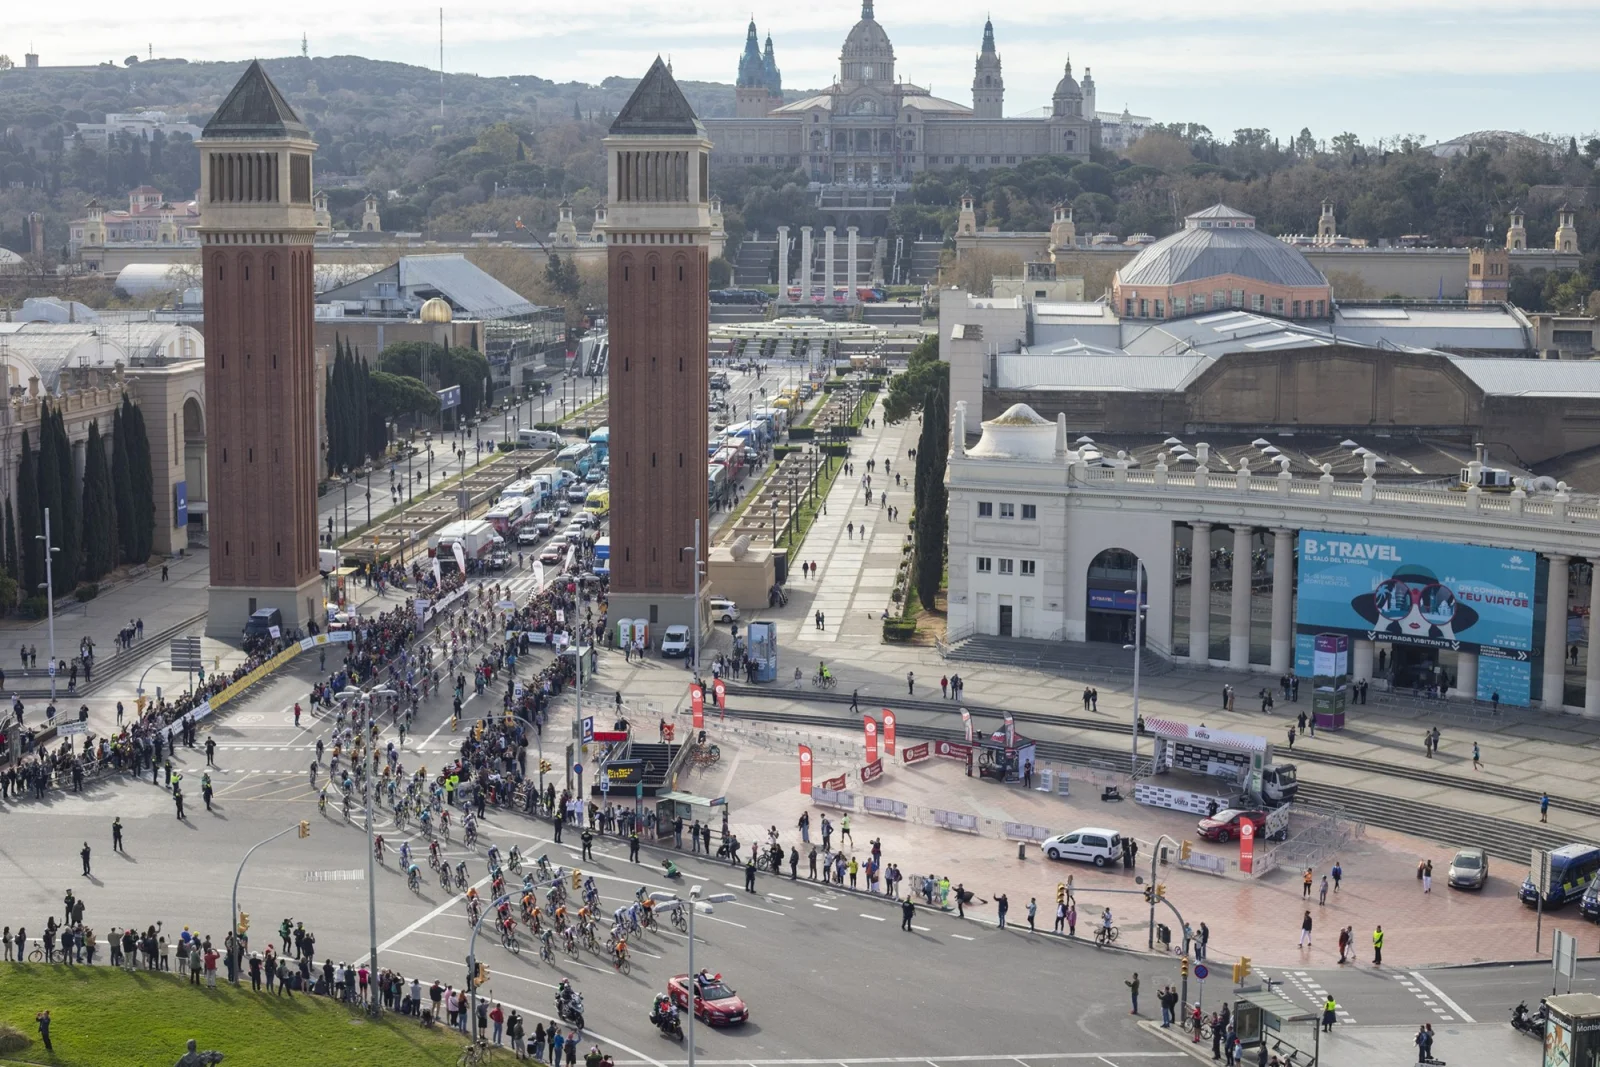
{"type": "Point", "coordinates": [911, 683]}
{"type": "Point", "coordinates": [1322, 894]}
{"type": "Point", "coordinates": [1133, 992]}
{"type": "Point", "coordinates": [1427, 876]}
{"type": "Point", "coordinates": [84, 855]}
{"type": "Point", "coordinates": [1033, 910]}
{"type": "Point", "coordinates": [1305, 931]}
{"type": "Point", "coordinates": [1344, 944]}
{"type": "Point", "coordinates": [1338, 873]}
{"type": "Point", "coordinates": [1061, 916]}
{"type": "Point", "coordinates": [1477, 763]}
{"type": "Point", "coordinates": [1544, 807]}
{"type": "Point", "coordinates": [1305, 885]}
{"type": "Point", "coordinates": [908, 911]}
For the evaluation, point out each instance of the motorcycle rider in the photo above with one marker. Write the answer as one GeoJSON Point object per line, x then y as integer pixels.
{"type": "Point", "coordinates": [664, 1014]}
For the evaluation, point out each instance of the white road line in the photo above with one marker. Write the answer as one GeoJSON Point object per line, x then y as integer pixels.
{"type": "Point", "coordinates": [825, 907]}
{"type": "Point", "coordinates": [753, 907]}
{"type": "Point", "coordinates": [430, 933]}
{"type": "Point", "coordinates": [874, 918]}
{"type": "Point", "coordinates": [964, 937]}
{"type": "Point", "coordinates": [725, 922]}
{"type": "Point", "coordinates": [779, 896]}
{"type": "Point", "coordinates": [1436, 991]}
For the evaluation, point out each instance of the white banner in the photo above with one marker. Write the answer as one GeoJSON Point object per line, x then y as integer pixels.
{"type": "Point", "coordinates": [461, 556]}
{"type": "Point", "coordinates": [538, 575]}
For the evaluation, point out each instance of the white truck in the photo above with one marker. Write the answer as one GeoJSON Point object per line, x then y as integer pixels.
{"type": "Point", "coordinates": [476, 537]}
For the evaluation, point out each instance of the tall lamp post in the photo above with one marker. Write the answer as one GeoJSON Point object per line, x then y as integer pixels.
{"type": "Point", "coordinates": [694, 653]}
{"type": "Point", "coordinates": [1138, 654]}
{"type": "Point", "coordinates": [369, 696]}
{"type": "Point", "coordinates": [49, 588]}
{"type": "Point", "coordinates": [695, 903]}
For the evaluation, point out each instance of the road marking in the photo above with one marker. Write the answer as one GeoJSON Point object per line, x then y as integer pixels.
{"type": "Point", "coordinates": [964, 937]}
{"type": "Point", "coordinates": [825, 907]}
{"type": "Point", "coordinates": [779, 896]}
{"type": "Point", "coordinates": [727, 922]}
{"type": "Point", "coordinates": [752, 907]}
{"type": "Point", "coordinates": [874, 918]}
{"type": "Point", "coordinates": [1436, 991]}
{"type": "Point", "coordinates": [430, 933]}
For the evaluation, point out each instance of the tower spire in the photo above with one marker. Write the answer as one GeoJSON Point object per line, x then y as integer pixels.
{"type": "Point", "coordinates": [866, 9]}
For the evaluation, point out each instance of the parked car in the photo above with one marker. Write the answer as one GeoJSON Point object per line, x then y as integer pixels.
{"type": "Point", "coordinates": [1091, 844]}
{"type": "Point", "coordinates": [675, 642]}
{"type": "Point", "coordinates": [1224, 825]}
{"type": "Point", "coordinates": [1469, 869]}
{"type": "Point", "coordinates": [723, 609]}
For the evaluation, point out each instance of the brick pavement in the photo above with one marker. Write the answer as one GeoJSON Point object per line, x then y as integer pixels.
{"type": "Point", "coordinates": [1258, 918]}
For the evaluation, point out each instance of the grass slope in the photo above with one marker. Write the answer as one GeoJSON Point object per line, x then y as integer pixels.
{"type": "Point", "coordinates": [104, 1017]}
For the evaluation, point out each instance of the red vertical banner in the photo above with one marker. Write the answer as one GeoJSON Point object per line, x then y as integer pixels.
{"type": "Point", "coordinates": [697, 702]}
{"type": "Point", "coordinates": [805, 770]}
{"type": "Point", "coordinates": [719, 689]}
{"type": "Point", "coordinates": [1247, 846]}
{"type": "Point", "coordinates": [871, 725]}
{"type": "Point", "coordinates": [888, 732]}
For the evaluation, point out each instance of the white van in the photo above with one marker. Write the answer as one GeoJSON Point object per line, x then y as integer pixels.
{"type": "Point", "coordinates": [538, 439]}
{"type": "Point", "coordinates": [723, 609]}
{"type": "Point", "coordinates": [1091, 844]}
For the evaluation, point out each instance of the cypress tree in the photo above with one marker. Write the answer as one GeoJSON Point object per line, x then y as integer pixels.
{"type": "Point", "coordinates": [67, 532]}
{"type": "Point", "coordinates": [122, 485]}
{"type": "Point", "coordinates": [931, 495]}
{"type": "Point", "coordinates": [99, 510]}
{"type": "Point", "coordinates": [330, 410]}
{"type": "Point", "coordinates": [144, 502]}
{"type": "Point", "coordinates": [29, 524]}
{"type": "Point", "coordinates": [11, 543]}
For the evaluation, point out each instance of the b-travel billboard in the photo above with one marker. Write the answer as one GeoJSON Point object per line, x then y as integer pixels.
{"type": "Point", "coordinates": [1431, 594]}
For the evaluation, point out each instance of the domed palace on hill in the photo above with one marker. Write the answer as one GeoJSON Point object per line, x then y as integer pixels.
{"type": "Point", "coordinates": [870, 128]}
{"type": "Point", "coordinates": [1220, 260]}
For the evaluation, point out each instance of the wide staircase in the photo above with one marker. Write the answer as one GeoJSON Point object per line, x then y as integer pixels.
{"type": "Point", "coordinates": [924, 262]}
{"type": "Point", "coordinates": [891, 314]}
{"type": "Point", "coordinates": [1060, 657]}
{"type": "Point", "coordinates": [757, 264]}
{"type": "Point", "coordinates": [657, 759]}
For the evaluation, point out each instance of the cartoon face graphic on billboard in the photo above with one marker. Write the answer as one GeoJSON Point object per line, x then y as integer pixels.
{"type": "Point", "coordinates": [1413, 603]}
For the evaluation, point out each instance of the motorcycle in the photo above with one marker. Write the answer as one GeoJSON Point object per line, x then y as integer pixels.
{"type": "Point", "coordinates": [570, 1007]}
{"type": "Point", "coordinates": [1528, 1022]}
{"type": "Point", "coordinates": [667, 1022]}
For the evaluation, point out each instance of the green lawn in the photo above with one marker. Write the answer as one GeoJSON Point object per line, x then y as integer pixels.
{"type": "Point", "coordinates": [105, 1017]}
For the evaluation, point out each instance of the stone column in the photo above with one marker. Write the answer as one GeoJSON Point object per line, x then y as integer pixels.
{"type": "Point", "coordinates": [1555, 633]}
{"type": "Point", "coordinates": [1200, 595]}
{"type": "Point", "coordinates": [783, 264]}
{"type": "Point", "coordinates": [1283, 604]}
{"type": "Point", "coordinates": [1466, 683]}
{"type": "Point", "coordinates": [1591, 673]}
{"type": "Point", "coordinates": [805, 265]}
{"type": "Point", "coordinates": [850, 268]}
{"type": "Point", "coordinates": [1239, 610]}
{"type": "Point", "coordinates": [827, 265]}
{"type": "Point", "coordinates": [1361, 656]}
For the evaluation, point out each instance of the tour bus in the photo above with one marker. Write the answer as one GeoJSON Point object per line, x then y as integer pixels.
{"type": "Point", "coordinates": [530, 438]}
{"type": "Point", "coordinates": [1572, 868]}
{"type": "Point", "coordinates": [578, 458]}
{"type": "Point", "coordinates": [600, 441]}
{"type": "Point", "coordinates": [510, 514]}
{"type": "Point", "coordinates": [599, 502]}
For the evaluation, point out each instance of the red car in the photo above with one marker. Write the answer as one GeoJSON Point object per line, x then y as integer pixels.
{"type": "Point", "coordinates": [714, 1003]}
{"type": "Point", "coordinates": [1224, 825]}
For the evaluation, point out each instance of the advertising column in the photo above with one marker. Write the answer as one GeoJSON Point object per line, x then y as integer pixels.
{"type": "Point", "coordinates": [1330, 680]}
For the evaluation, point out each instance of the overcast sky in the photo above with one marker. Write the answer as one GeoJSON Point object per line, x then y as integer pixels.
{"type": "Point", "coordinates": [1379, 67]}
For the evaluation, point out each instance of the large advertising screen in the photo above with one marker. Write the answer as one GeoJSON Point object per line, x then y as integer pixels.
{"type": "Point", "coordinates": [1432, 594]}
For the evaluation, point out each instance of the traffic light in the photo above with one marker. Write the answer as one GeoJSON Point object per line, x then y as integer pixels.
{"type": "Point", "coordinates": [1241, 970]}
{"type": "Point", "coordinates": [1184, 850]}
{"type": "Point", "coordinates": [577, 878]}
{"type": "Point", "coordinates": [1061, 892]}
{"type": "Point", "coordinates": [1149, 894]}
{"type": "Point", "coordinates": [1183, 968]}
{"type": "Point", "coordinates": [480, 976]}
{"type": "Point", "coordinates": [305, 828]}
{"type": "Point", "coordinates": [545, 766]}
{"type": "Point", "coordinates": [1161, 891]}
{"type": "Point", "coordinates": [244, 920]}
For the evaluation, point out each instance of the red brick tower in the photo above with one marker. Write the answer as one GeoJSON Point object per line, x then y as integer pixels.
{"type": "Point", "coordinates": [256, 229]}
{"type": "Point", "coordinates": [657, 235]}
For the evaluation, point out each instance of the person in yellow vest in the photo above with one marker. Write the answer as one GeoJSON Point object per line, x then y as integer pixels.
{"type": "Point", "coordinates": [1329, 1008]}
{"type": "Point", "coordinates": [1377, 947]}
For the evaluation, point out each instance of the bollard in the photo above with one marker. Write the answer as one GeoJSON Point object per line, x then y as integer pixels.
{"type": "Point", "coordinates": [1022, 850]}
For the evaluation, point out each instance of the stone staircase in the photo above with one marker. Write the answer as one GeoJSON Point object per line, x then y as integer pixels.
{"type": "Point", "coordinates": [1058, 657]}
{"type": "Point", "coordinates": [757, 264]}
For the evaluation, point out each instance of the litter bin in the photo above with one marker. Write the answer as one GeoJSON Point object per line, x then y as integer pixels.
{"type": "Point", "coordinates": [1164, 934]}
{"type": "Point", "coordinates": [1022, 850]}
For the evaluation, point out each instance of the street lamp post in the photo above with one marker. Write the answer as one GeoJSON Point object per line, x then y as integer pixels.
{"type": "Point", "coordinates": [695, 903]}
{"type": "Point", "coordinates": [1138, 656]}
{"type": "Point", "coordinates": [694, 653]}
{"type": "Point", "coordinates": [369, 697]}
{"type": "Point", "coordinates": [347, 502]}
{"type": "Point", "coordinates": [233, 921]}
{"type": "Point", "coordinates": [49, 599]}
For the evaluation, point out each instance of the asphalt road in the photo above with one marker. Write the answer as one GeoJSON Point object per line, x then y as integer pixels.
{"type": "Point", "coordinates": [828, 975]}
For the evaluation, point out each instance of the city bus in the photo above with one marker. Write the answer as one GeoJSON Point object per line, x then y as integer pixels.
{"type": "Point", "coordinates": [578, 458]}
{"type": "Point", "coordinates": [600, 441]}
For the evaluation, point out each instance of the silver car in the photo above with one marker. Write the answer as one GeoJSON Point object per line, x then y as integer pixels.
{"type": "Point", "coordinates": [1469, 869]}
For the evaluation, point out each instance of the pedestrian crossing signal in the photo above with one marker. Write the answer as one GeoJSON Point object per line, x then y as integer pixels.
{"type": "Point", "coordinates": [1061, 892]}
{"type": "Point", "coordinates": [1241, 970]}
{"type": "Point", "coordinates": [305, 828]}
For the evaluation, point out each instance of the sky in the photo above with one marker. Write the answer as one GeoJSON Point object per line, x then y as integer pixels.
{"type": "Point", "coordinates": [1379, 68]}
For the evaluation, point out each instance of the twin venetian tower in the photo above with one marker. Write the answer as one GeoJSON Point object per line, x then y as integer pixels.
{"type": "Point", "coordinates": [659, 232]}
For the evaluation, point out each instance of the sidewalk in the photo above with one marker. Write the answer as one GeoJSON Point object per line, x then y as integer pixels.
{"type": "Point", "coordinates": [855, 572]}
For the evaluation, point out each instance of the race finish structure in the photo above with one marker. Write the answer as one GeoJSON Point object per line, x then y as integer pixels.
{"type": "Point", "coordinates": [1422, 598]}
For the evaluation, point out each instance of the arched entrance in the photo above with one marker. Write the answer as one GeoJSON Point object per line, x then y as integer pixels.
{"type": "Point", "coordinates": [1109, 615]}
{"type": "Point", "coordinates": [194, 467]}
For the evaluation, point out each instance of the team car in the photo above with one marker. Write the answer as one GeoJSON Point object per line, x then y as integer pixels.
{"type": "Point", "coordinates": [715, 1003]}
{"type": "Point", "coordinates": [1224, 825]}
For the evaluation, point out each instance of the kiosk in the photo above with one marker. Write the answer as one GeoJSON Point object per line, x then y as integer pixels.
{"type": "Point", "coordinates": [1003, 762]}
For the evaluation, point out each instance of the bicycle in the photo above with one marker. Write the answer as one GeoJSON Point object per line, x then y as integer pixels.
{"type": "Point", "coordinates": [705, 755]}
{"type": "Point", "coordinates": [414, 879]}
{"type": "Point", "coordinates": [546, 953]}
{"type": "Point", "coordinates": [679, 923]}
{"type": "Point", "coordinates": [1105, 935]}
{"type": "Point", "coordinates": [824, 681]}
{"type": "Point", "coordinates": [1187, 1024]}
{"type": "Point", "coordinates": [620, 961]}
{"type": "Point", "coordinates": [475, 1055]}
{"type": "Point", "coordinates": [36, 956]}
{"type": "Point", "coordinates": [509, 942]}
